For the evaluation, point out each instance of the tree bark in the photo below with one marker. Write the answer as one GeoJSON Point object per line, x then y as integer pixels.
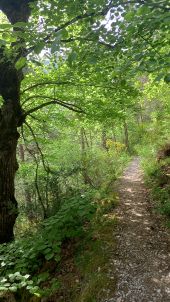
{"type": "Point", "coordinates": [8, 167]}
{"type": "Point", "coordinates": [16, 10]}
{"type": "Point", "coordinates": [11, 117]}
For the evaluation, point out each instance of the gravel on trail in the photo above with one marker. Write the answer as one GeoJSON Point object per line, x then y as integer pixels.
{"type": "Point", "coordinates": [142, 257]}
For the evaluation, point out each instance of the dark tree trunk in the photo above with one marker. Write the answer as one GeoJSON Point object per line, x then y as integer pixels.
{"type": "Point", "coordinates": [11, 118]}
{"type": "Point", "coordinates": [8, 167]}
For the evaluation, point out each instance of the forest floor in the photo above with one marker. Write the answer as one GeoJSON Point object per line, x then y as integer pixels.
{"type": "Point", "coordinates": [142, 256]}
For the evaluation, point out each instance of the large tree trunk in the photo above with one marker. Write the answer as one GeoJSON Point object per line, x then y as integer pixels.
{"type": "Point", "coordinates": [8, 167]}
{"type": "Point", "coordinates": [11, 117]}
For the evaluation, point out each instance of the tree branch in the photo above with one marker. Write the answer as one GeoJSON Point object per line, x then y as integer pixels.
{"type": "Point", "coordinates": [53, 101]}
{"type": "Point", "coordinates": [38, 147]}
{"type": "Point", "coordinates": [103, 12]}
{"type": "Point", "coordinates": [46, 83]}
{"type": "Point", "coordinates": [36, 171]}
{"type": "Point", "coordinates": [64, 83]}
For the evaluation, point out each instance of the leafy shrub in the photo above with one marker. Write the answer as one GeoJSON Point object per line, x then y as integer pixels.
{"type": "Point", "coordinates": [20, 261]}
{"type": "Point", "coordinates": [157, 181]}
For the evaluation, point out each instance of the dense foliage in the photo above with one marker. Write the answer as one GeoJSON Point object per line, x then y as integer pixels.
{"type": "Point", "coordinates": [93, 91]}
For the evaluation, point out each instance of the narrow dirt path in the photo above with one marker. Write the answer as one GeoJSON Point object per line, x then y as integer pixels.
{"type": "Point", "coordinates": [142, 259]}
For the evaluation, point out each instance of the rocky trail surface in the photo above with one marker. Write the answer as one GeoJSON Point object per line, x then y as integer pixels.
{"type": "Point", "coordinates": [142, 260]}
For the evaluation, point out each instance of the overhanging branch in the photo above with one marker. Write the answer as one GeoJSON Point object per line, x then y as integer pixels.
{"type": "Point", "coordinates": [51, 102]}
{"type": "Point", "coordinates": [64, 83]}
{"type": "Point", "coordinates": [74, 20]}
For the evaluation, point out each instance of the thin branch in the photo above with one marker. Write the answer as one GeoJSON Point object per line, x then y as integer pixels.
{"type": "Point", "coordinates": [150, 44]}
{"type": "Point", "coordinates": [46, 83]}
{"type": "Point", "coordinates": [74, 20]}
{"type": "Point", "coordinates": [111, 46]}
{"type": "Point", "coordinates": [38, 191]}
{"type": "Point", "coordinates": [53, 101]}
{"type": "Point", "coordinates": [38, 147]}
{"type": "Point", "coordinates": [44, 162]}
{"type": "Point", "coordinates": [66, 83]}
{"type": "Point", "coordinates": [35, 118]}
{"type": "Point", "coordinates": [36, 174]}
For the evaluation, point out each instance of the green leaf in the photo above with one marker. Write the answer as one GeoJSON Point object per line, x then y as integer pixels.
{"type": "Point", "coordinates": [143, 10]}
{"type": "Point", "coordinates": [2, 42]}
{"type": "Point", "coordinates": [167, 78]}
{"type": "Point", "coordinates": [26, 276]}
{"type": "Point", "coordinates": [129, 16]}
{"type": "Point", "coordinates": [20, 63]}
{"type": "Point", "coordinates": [49, 256]}
{"type": "Point", "coordinates": [3, 288]}
{"type": "Point", "coordinates": [72, 57]}
{"type": "Point", "coordinates": [39, 47]}
{"type": "Point", "coordinates": [6, 36]}
{"type": "Point", "coordinates": [13, 288]}
{"type": "Point", "coordinates": [20, 24]}
{"type": "Point", "coordinates": [55, 46]}
{"type": "Point", "coordinates": [57, 258]}
{"type": "Point", "coordinates": [43, 277]}
{"type": "Point", "coordinates": [64, 33]}
{"type": "Point", "coordinates": [92, 60]}
{"type": "Point", "coordinates": [159, 77]}
{"type": "Point", "coordinates": [5, 26]}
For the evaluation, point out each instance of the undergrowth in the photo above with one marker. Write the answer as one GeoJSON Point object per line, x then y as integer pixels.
{"type": "Point", "coordinates": [21, 260]}
{"type": "Point", "coordinates": [157, 179]}
{"type": "Point", "coordinates": [87, 278]}
{"type": "Point", "coordinates": [29, 263]}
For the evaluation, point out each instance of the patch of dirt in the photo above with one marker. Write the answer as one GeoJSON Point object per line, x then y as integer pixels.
{"type": "Point", "coordinates": [142, 258]}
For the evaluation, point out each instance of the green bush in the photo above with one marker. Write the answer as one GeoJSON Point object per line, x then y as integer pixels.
{"type": "Point", "coordinates": [154, 177]}
{"type": "Point", "coordinates": [21, 260]}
